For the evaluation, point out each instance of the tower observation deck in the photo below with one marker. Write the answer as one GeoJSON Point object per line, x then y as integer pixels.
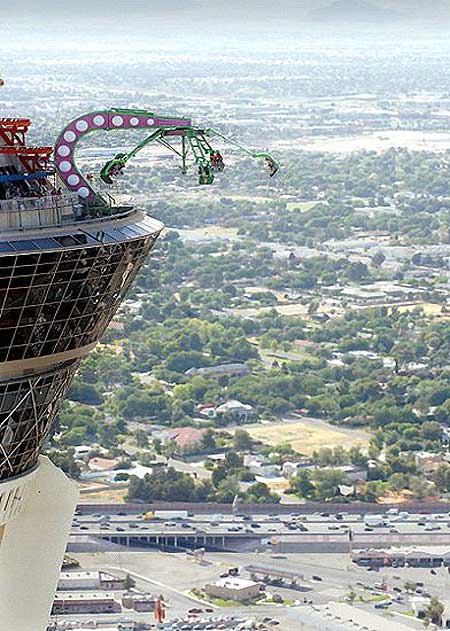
{"type": "Point", "coordinates": [68, 255]}
{"type": "Point", "coordinates": [65, 266]}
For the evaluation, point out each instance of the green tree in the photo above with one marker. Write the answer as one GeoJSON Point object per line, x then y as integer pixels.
{"type": "Point", "coordinates": [301, 484]}
{"type": "Point", "coordinates": [434, 611]}
{"type": "Point", "coordinates": [326, 483]}
{"type": "Point", "coordinates": [208, 441]}
{"type": "Point", "coordinates": [242, 441]}
{"type": "Point", "coordinates": [141, 438]}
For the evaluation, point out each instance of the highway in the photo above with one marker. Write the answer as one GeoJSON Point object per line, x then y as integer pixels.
{"type": "Point", "coordinates": [223, 531]}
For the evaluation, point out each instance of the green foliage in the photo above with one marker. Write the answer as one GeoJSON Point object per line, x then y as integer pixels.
{"type": "Point", "coordinates": [65, 460]}
{"type": "Point", "coordinates": [167, 485]}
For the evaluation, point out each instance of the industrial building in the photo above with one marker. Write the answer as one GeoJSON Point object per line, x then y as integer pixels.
{"type": "Point", "coordinates": [89, 580]}
{"type": "Point", "coordinates": [67, 603]}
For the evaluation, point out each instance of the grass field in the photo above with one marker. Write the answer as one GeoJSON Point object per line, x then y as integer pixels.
{"type": "Point", "coordinates": [102, 494]}
{"type": "Point", "coordinates": [429, 308]}
{"type": "Point", "coordinates": [301, 206]}
{"type": "Point", "coordinates": [309, 435]}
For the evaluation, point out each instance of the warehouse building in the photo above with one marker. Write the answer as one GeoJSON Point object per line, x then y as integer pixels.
{"type": "Point", "coordinates": [67, 603]}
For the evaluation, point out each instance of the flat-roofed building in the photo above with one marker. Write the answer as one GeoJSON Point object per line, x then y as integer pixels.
{"type": "Point", "coordinates": [85, 603]}
{"type": "Point", "coordinates": [95, 580]}
{"type": "Point", "coordinates": [414, 556]}
{"type": "Point", "coordinates": [139, 601]}
{"type": "Point", "coordinates": [231, 588]}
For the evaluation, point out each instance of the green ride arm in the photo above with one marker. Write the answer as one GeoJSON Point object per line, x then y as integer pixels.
{"type": "Point", "coordinates": [274, 165]}
{"type": "Point", "coordinates": [121, 159]}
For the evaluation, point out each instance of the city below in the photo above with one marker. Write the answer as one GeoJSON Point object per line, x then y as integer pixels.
{"type": "Point", "coordinates": [225, 317]}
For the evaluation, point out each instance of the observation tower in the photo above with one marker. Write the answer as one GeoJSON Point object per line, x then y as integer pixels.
{"type": "Point", "coordinates": [68, 255]}
{"type": "Point", "coordinates": [65, 266]}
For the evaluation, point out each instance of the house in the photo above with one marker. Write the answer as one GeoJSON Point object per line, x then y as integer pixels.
{"type": "Point", "coordinates": [233, 588]}
{"type": "Point", "coordinates": [104, 464]}
{"type": "Point", "coordinates": [229, 370]}
{"type": "Point", "coordinates": [265, 470]}
{"type": "Point", "coordinates": [290, 469]}
{"type": "Point", "coordinates": [206, 409]}
{"type": "Point", "coordinates": [237, 411]}
{"type": "Point", "coordinates": [428, 461]}
{"type": "Point", "coordinates": [182, 437]}
{"type": "Point", "coordinates": [352, 473]}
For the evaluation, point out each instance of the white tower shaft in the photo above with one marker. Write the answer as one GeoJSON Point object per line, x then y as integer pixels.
{"type": "Point", "coordinates": [32, 549]}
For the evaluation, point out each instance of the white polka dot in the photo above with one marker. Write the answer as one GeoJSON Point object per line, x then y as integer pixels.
{"type": "Point", "coordinates": [150, 121]}
{"type": "Point", "coordinates": [69, 136]}
{"type": "Point", "coordinates": [73, 179]}
{"type": "Point", "coordinates": [65, 166]}
{"type": "Point", "coordinates": [63, 151]}
{"type": "Point", "coordinates": [81, 125]}
{"type": "Point", "coordinates": [83, 191]}
{"type": "Point", "coordinates": [99, 120]}
{"type": "Point", "coordinates": [117, 121]}
{"type": "Point", "coordinates": [134, 121]}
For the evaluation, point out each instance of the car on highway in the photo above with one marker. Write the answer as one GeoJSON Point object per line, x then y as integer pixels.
{"type": "Point", "coordinates": [333, 527]}
{"type": "Point", "coordinates": [430, 527]}
{"type": "Point", "coordinates": [315, 577]}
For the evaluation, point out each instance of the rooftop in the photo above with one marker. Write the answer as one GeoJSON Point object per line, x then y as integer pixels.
{"type": "Point", "coordinates": [185, 436]}
{"type": "Point", "coordinates": [235, 583]}
{"type": "Point", "coordinates": [83, 596]}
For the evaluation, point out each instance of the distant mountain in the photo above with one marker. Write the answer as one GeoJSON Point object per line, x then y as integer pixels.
{"type": "Point", "coordinates": [354, 11]}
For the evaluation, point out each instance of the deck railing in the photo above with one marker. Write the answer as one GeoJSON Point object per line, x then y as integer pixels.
{"type": "Point", "coordinates": [28, 213]}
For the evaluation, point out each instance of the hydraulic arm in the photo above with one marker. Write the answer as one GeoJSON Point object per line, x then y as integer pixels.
{"type": "Point", "coordinates": [194, 144]}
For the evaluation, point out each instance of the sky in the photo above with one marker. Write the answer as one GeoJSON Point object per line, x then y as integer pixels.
{"type": "Point", "coordinates": [240, 12]}
{"type": "Point", "coordinates": [110, 23]}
